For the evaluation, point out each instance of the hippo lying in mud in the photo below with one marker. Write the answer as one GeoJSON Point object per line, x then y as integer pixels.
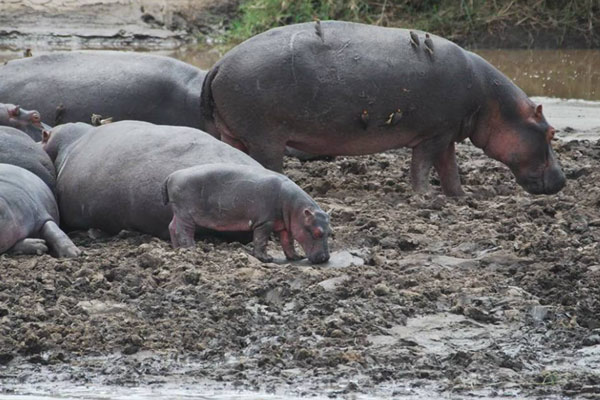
{"type": "Point", "coordinates": [69, 87]}
{"type": "Point", "coordinates": [28, 215]}
{"type": "Point", "coordinates": [237, 198]}
{"type": "Point", "coordinates": [341, 88]}
{"type": "Point", "coordinates": [29, 122]}
{"type": "Point", "coordinates": [16, 148]}
{"type": "Point", "coordinates": [111, 177]}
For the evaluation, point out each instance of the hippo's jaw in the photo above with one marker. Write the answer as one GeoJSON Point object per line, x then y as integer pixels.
{"type": "Point", "coordinates": [319, 257]}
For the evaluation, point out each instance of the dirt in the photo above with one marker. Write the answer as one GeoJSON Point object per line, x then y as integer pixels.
{"type": "Point", "coordinates": [496, 293]}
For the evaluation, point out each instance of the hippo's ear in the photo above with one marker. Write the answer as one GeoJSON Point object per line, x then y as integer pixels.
{"type": "Point", "coordinates": [15, 111]}
{"type": "Point", "coordinates": [309, 216]}
{"type": "Point", "coordinates": [538, 112]}
{"type": "Point", "coordinates": [45, 136]}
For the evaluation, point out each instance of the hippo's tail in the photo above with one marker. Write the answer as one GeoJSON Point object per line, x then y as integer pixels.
{"type": "Point", "coordinates": [165, 191]}
{"type": "Point", "coordinates": [207, 102]}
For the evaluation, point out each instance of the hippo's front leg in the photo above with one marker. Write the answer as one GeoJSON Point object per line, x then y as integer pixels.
{"type": "Point", "coordinates": [287, 243]}
{"type": "Point", "coordinates": [29, 247]}
{"type": "Point", "coordinates": [447, 169]}
{"type": "Point", "coordinates": [261, 234]}
{"type": "Point", "coordinates": [58, 241]}
{"type": "Point", "coordinates": [441, 155]}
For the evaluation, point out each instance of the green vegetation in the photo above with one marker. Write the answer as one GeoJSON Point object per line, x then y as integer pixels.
{"type": "Point", "coordinates": [518, 23]}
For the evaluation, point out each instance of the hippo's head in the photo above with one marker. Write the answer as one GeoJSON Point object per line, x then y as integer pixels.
{"type": "Point", "coordinates": [523, 143]}
{"type": "Point", "coordinates": [311, 229]}
{"type": "Point", "coordinates": [29, 122]}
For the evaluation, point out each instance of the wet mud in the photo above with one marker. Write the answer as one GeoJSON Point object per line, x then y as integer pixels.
{"type": "Point", "coordinates": [493, 294]}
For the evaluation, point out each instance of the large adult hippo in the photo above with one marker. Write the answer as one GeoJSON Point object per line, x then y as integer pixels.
{"type": "Point", "coordinates": [29, 215]}
{"type": "Point", "coordinates": [341, 88]}
{"type": "Point", "coordinates": [17, 148]}
{"type": "Point", "coordinates": [112, 177]}
{"type": "Point", "coordinates": [27, 121]}
{"type": "Point", "coordinates": [71, 86]}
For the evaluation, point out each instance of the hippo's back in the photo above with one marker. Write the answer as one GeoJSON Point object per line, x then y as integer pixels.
{"type": "Point", "coordinates": [69, 87]}
{"type": "Point", "coordinates": [17, 148]}
{"type": "Point", "coordinates": [112, 177]}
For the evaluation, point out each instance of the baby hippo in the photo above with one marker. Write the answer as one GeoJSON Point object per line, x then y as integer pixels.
{"type": "Point", "coordinates": [226, 197]}
{"type": "Point", "coordinates": [28, 215]}
{"type": "Point", "coordinates": [29, 122]}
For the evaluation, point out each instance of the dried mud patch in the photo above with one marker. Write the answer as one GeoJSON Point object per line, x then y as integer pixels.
{"type": "Point", "coordinates": [496, 293]}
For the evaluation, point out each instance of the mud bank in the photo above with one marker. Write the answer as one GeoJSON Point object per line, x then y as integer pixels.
{"type": "Point", "coordinates": [92, 24]}
{"type": "Point", "coordinates": [493, 294]}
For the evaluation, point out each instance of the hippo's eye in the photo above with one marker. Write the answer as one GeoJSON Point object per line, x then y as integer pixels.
{"type": "Point", "coordinates": [317, 233]}
{"type": "Point", "coordinates": [35, 117]}
{"type": "Point", "coordinates": [550, 134]}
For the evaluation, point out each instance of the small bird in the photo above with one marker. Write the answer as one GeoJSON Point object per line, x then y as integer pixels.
{"type": "Point", "coordinates": [429, 44]}
{"type": "Point", "coordinates": [96, 119]}
{"type": "Point", "coordinates": [394, 118]}
{"type": "Point", "coordinates": [319, 29]}
{"type": "Point", "coordinates": [27, 53]}
{"type": "Point", "coordinates": [106, 121]}
{"type": "Point", "coordinates": [364, 119]}
{"type": "Point", "coordinates": [414, 39]}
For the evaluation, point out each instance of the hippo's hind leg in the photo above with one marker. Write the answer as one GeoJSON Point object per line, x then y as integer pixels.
{"type": "Point", "coordinates": [262, 232]}
{"type": "Point", "coordinates": [58, 241]}
{"type": "Point", "coordinates": [441, 155]}
{"type": "Point", "coordinates": [182, 231]}
{"type": "Point", "coordinates": [447, 168]}
{"type": "Point", "coordinates": [30, 247]}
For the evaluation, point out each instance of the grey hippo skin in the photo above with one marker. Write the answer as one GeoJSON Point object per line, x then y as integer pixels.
{"type": "Point", "coordinates": [28, 215]}
{"type": "Point", "coordinates": [111, 177]}
{"type": "Point", "coordinates": [18, 149]}
{"type": "Point", "coordinates": [70, 87]}
{"type": "Point", "coordinates": [359, 89]}
{"type": "Point", "coordinates": [241, 198]}
{"type": "Point", "coordinates": [29, 122]}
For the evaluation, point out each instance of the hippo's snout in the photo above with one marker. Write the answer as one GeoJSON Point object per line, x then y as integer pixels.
{"type": "Point", "coordinates": [319, 258]}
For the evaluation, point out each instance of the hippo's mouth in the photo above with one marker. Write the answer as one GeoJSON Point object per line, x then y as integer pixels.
{"type": "Point", "coordinates": [549, 181]}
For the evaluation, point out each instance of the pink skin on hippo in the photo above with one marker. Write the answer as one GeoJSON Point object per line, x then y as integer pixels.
{"type": "Point", "coordinates": [240, 198]}
{"type": "Point", "coordinates": [357, 89]}
{"type": "Point", "coordinates": [29, 122]}
{"type": "Point", "coordinates": [28, 215]}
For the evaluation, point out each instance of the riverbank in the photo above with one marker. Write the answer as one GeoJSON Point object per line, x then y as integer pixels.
{"type": "Point", "coordinates": [155, 24]}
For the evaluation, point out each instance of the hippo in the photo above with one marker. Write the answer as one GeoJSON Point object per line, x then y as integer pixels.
{"type": "Point", "coordinates": [71, 86]}
{"type": "Point", "coordinates": [228, 197]}
{"type": "Point", "coordinates": [17, 148]}
{"type": "Point", "coordinates": [111, 177]}
{"type": "Point", "coordinates": [29, 122]}
{"type": "Point", "coordinates": [352, 89]}
{"type": "Point", "coordinates": [28, 215]}
{"type": "Point", "coordinates": [102, 86]}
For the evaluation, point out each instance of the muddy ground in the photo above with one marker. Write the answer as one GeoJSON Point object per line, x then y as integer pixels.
{"type": "Point", "coordinates": [496, 294]}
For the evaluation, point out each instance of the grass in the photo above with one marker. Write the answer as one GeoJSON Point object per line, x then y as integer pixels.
{"type": "Point", "coordinates": [459, 20]}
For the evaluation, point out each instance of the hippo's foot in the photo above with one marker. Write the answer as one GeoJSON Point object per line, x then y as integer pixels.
{"type": "Point", "coordinates": [262, 256]}
{"type": "Point", "coordinates": [30, 247]}
{"type": "Point", "coordinates": [294, 257]}
{"type": "Point", "coordinates": [59, 242]}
